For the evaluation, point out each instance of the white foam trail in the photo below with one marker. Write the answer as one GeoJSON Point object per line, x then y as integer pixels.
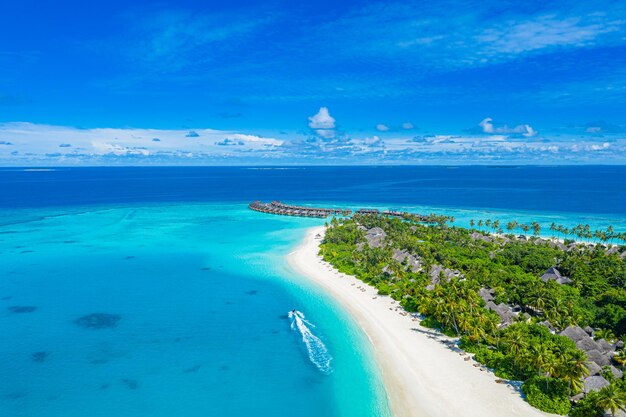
{"type": "Point", "coordinates": [318, 353]}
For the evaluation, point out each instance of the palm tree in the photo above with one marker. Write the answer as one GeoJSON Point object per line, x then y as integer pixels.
{"type": "Point", "coordinates": [573, 369]}
{"type": "Point", "coordinates": [515, 345]}
{"type": "Point", "coordinates": [540, 357]}
{"type": "Point", "coordinates": [611, 399]}
{"type": "Point", "coordinates": [472, 223]}
{"type": "Point", "coordinates": [536, 228]}
{"type": "Point", "coordinates": [553, 228]}
{"type": "Point", "coordinates": [610, 233]}
{"type": "Point", "coordinates": [510, 226]}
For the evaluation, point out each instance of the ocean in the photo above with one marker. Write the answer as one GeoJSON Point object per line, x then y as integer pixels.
{"type": "Point", "coordinates": [156, 292]}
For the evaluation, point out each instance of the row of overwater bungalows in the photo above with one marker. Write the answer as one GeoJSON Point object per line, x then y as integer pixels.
{"type": "Point", "coordinates": [276, 207]}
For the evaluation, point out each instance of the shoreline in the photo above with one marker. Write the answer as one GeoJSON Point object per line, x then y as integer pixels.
{"type": "Point", "coordinates": [423, 377]}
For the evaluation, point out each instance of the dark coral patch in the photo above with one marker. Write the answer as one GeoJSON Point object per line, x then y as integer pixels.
{"type": "Point", "coordinates": [98, 321]}
{"type": "Point", "coordinates": [130, 383]}
{"type": "Point", "coordinates": [39, 356]}
{"type": "Point", "coordinates": [252, 292]}
{"type": "Point", "coordinates": [22, 309]}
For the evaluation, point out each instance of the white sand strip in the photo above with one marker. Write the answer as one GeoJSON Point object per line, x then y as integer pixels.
{"type": "Point", "coordinates": [422, 375]}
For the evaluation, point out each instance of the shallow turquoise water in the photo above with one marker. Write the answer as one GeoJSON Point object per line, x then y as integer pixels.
{"type": "Point", "coordinates": [202, 291]}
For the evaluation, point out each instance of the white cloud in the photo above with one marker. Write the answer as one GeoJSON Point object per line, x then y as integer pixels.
{"type": "Point", "coordinates": [488, 127]}
{"type": "Point", "coordinates": [37, 141]}
{"type": "Point", "coordinates": [322, 120]}
{"type": "Point", "coordinates": [323, 124]}
{"type": "Point", "coordinates": [541, 33]}
{"type": "Point", "coordinates": [325, 133]}
{"type": "Point", "coordinates": [407, 125]}
{"type": "Point", "coordinates": [374, 140]}
{"type": "Point", "coordinates": [382, 128]}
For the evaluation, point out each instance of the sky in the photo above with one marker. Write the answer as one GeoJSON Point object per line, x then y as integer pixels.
{"type": "Point", "coordinates": [326, 82]}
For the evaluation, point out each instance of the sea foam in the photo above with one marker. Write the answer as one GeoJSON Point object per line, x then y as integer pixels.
{"type": "Point", "coordinates": [318, 352]}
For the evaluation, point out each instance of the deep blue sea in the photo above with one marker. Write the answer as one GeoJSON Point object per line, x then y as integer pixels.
{"type": "Point", "coordinates": [191, 289]}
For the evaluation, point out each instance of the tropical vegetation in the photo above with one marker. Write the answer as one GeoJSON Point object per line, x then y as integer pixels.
{"type": "Point", "coordinates": [529, 348]}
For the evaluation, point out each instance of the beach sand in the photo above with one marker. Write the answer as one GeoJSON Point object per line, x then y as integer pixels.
{"type": "Point", "coordinates": [423, 376]}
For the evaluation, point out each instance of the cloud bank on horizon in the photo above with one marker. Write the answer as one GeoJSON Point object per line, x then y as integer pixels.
{"type": "Point", "coordinates": [491, 81]}
{"type": "Point", "coordinates": [32, 144]}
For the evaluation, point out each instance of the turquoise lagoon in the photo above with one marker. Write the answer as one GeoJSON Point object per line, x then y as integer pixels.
{"type": "Point", "coordinates": [202, 292]}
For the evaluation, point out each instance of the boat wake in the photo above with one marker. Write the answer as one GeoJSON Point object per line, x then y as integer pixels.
{"type": "Point", "coordinates": [318, 353]}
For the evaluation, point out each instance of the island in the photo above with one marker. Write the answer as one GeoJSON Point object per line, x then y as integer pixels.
{"type": "Point", "coordinates": [474, 322]}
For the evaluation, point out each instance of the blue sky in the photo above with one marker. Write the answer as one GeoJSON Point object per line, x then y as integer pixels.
{"type": "Point", "coordinates": [284, 82]}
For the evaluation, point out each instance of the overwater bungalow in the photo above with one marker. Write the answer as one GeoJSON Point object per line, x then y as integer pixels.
{"type": "Point", "coordinates": [367, 211]}
{"type": "Point", "coordinates": [277, 207]}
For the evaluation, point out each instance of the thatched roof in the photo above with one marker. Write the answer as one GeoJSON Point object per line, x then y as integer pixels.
{"type": "Point", "coordinates": [411, 261]}
{"type": "Point", "coordinates": [559, 245]}
{"type": "Point", "coordinates": [480, 236]}
{"type": "Point", "coordinates": [575, 333]}
{"type": "Point", "coordinates": [597, 357]}
{"type": "Point", "coordinates": [595, 383]}
{"type": "Point", "coordinates": [606, 346]}
{"type": "Point", "coordinates": [503, 311]}
{"type": "Point", "coordinates": [486, 294]}
{"type": "Point", "coordinates": [588, 344]}
{"type": "Point", "coordinates": [435, 275]}
{"type": "Point", "coordinates": [612, 250]}
{"type": "Point", "coordinates": [595, 350]}
{"type": "Point", "coordinates": [375, 237]}
{"type": "Point", "coordinates": [593, 368]}
{"type": "Point", "coordinates": [553, 274]}
{"type": "Point", "coordinates": [616, 372]}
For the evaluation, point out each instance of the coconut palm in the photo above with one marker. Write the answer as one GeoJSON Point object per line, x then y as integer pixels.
{"type": "Point", "coordinates": [573, 369]}
{"type": "Point", "coordinates": [516, 344]}
{"type": "Point", "coordinates": [540, 357]}
{"type": "Point", "coordinates": [510, 226]}
{"type": "Point", "coordinates": [611, 399]}
{"type": "Point", "coordinates": [536, 228]}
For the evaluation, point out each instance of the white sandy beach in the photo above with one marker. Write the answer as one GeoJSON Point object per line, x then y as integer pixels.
{"type": "Point", "coordinates": [423, 377]}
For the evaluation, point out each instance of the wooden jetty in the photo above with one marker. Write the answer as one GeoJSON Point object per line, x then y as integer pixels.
{"type": "Point", "coordinates": [276, 207]}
